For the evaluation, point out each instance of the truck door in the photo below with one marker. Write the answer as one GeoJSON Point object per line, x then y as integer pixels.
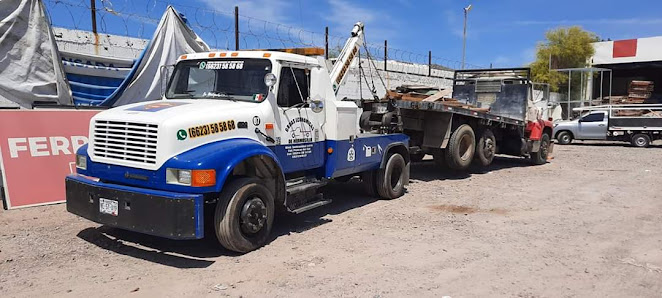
{"type": "Point", "coordinates": [301, 142]}
{"type": "Point", "coordinates": [593, 126]}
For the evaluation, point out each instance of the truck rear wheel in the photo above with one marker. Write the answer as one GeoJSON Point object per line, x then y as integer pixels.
{"type": "Point", "coordinates": [540, 157]}
{"type": "Point", "coordinates": [244, 215]}
{"type": "Point", "coordinates": [641, 140]}
{"type": "Point", "coordinates": [390, 182]}
{"type": "Point", "coordinates": [461, 148]}
{"type": "Point", "coordinates": [485, 148]}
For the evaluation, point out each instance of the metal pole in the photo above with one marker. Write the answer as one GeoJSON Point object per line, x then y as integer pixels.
{"type": "Point", "coordinates": [429, 63]}
{"type": "Point", "coordinates": [326, 43]}
{"type": "Point", "coordinates": [611, 74]}
{"type": "Point", "coordinates": [602, 85]}
{"type": "Point", "coordinates": [464, 38]}
{"type": "Point", "coordinates": [569, 91]}
{"type": "Point", "coordinates": [581, 88]}
{"type": "Point", "coordinates": [385, 54]}
{"type": "Point", "coordinates": [236, 28]}
{"type": "Point", "coordinates": [93, 10]}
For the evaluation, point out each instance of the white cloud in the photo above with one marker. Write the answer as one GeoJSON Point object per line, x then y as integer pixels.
{"type": "Point", "coordinates": [343, 15]}
{"type": "Point", "coordinates": [275, 11]}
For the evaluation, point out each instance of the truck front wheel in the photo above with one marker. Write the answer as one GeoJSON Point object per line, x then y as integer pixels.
{"type": "Point", "coordinates": [461, 148]}
{"type": "Point", "coordinates": [540, 157]}
{"type": "Point", "coordinates": [244, 215]}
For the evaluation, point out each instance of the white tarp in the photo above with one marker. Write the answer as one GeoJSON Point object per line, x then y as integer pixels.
{"type": "Point", "coordinates": [30, 65]}
{"type": "Point", "coordinates": [171, 39]}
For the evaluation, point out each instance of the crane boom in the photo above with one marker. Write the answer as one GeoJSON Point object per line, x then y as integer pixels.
{"type": "Point", "coordinates": [347, 55]}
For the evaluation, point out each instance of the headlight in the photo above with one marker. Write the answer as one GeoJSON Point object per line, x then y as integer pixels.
{"type": "Point", "coordinates": [81, 162]}
{"type": "Point", "coordinates": [196, 178]}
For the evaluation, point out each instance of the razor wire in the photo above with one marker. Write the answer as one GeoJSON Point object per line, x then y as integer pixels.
{"type": "Point", "coordinates": [139, 19]}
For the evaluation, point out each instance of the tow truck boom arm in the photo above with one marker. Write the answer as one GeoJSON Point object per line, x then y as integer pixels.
{"type": "Point", "coordinates": [347, 55]}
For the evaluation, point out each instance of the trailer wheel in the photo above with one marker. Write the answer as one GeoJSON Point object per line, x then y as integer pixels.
{"type": "Point", "coordinates": [485, 148]}
{"type": "Point", "coordinates": [641, 140]}
{"type": "Point", "coordinates": [540, 157]}
{"type": "Point", "coordinates": [564, 137]}
{"type": "Point", "coordinates": [244, 215]}
{"type": "Point", "coordinates": [461, 148]}
{"type": "Point", "coordinates": [368, 178]}
{"type": "Point", "coordinates": [390, 182]}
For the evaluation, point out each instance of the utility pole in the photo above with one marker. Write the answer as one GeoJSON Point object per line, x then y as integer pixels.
{"type": "Point", "coordinates": [93, 10]}
{"type": "Point", "coordinates": [236, 28]}
{"type": "Point", "coordinates": [464, 39]}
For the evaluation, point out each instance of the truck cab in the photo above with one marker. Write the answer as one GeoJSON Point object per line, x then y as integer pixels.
{"type": "Point", "coordinates": [238, 136]}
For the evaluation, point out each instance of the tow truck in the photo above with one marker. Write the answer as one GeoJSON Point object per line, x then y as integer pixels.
{"type": "Point", "coordinates": [239, 137]}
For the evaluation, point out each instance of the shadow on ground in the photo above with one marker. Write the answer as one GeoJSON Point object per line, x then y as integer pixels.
{"type": "Point", "coordinates": [201, 253]}
{"type": "Point", "coordinates": [427, 170]}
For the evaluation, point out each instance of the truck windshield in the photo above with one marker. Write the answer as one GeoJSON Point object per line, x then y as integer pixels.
{"type": "Point", "coordinates": [233, 79]}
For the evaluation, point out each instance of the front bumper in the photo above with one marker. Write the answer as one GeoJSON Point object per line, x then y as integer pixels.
{"type": "Point", "coordinates": [159, 213]}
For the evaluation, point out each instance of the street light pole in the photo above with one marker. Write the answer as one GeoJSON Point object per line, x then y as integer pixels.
{"type": "Point", "coordinates": [464, 39]}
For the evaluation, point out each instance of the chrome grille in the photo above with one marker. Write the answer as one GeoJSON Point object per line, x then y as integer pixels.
{"type": "Point", "coordinates": [128, 141]}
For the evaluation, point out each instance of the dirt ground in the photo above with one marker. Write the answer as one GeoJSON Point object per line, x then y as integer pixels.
{"type": "Point", "coordinates": [587, 224]}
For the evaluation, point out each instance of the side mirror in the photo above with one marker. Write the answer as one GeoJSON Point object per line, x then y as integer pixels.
{"type": "Point", "coordinates": [317, 105]}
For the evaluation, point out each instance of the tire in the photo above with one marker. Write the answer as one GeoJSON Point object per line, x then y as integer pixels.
{"type": "Point", "coordinates": [540, 157]}
{"type": "Point", "coordinates": [390, 182]}
{"type": "Point", "coordinates": [418, 157]}
{"type": "Point", "coordinates": [461, 148]}
{"type": "Point", "coordinates": [439, 157]}
{"type": "Point", "coordinates": [242, 203]}
{"type": "Point", "coordinates": [640, 140]}
{"type": "Point", "coordinates": [485, 148]}
{"type": "Point", "coordinates": [564, 137]}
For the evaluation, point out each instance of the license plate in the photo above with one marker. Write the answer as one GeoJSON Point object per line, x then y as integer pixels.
{"type": "Point", "coordinates": [108, 206]}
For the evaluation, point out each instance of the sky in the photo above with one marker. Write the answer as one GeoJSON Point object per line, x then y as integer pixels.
{"type": "Point", "coordinates": [501, 33]}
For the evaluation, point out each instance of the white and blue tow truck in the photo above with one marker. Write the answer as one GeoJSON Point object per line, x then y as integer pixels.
{"type": "Point", "coordinates": [238, 136]}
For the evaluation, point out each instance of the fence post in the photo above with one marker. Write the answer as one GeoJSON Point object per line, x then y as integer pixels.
{"type": "Point", "coordinates": [93, 9]}
{"type": "Point", "coordinates": [326, 43]}
{"type": "Point", "coordinates": [385, 54]}
{"type": "Point", "coordinates": [236, 28]}
{"type": "Point", "coordinates": [429, 63]}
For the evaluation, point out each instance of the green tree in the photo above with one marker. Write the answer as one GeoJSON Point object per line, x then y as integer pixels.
{"type": "Point", "coordinates": [564, 48]}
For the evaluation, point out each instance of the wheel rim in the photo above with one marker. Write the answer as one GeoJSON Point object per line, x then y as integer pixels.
{"type": "Point", "coordinates": [565, 138]}
{"type": "Point", "coordinates": [488, 148]}
{"type": "Point", "coordinates": [466, 145]}
{"type": "Point", "coordinates": [253, 216]}
{"type": "Point", "coordinates": [640, 141]}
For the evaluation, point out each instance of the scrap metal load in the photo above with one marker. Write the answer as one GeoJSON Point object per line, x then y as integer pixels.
{"type": "Point", "coordinates": [639, 92]}
{"type": "Point", "coordinates": [430, 94]}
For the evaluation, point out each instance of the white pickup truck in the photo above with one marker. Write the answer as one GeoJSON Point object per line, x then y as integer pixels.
{"type": "Point", "coordinates": [638, 124]}
{"type": "Point", "coordinates": [238, 136]}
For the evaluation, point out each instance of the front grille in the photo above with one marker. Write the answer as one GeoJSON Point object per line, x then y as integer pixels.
{"type": "Point", "coordinates": [127, 141]}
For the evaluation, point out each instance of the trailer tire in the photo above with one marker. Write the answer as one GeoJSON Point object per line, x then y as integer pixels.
{"type": "Point", "coordinates": [368, 178]}
{"type": "Point", "coordinates": [485, 148]}
{"type": "Point", "coordinates": [640, 140]}
{"type": "Point", "coordinates": [244, 215]}
{"type": "Point", "coordinates": [540, 157]}
{"type": "Point", "coordinates": [564, 137]}
{"type": "Point", "coordinates": [461, 148]}
{"type": "Point", "coordinates": [390, 181]}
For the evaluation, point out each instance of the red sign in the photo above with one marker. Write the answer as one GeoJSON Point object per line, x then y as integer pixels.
{"type": "Point", "coordinates": [625, 48]}
{"type": "Point", "coordinates": [37, 150]}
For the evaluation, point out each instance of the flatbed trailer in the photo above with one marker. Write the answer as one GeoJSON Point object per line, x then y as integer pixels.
{"type": "Point", "coordinates": [459, 135]}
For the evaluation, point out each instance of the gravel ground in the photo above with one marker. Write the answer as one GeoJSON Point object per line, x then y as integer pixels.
{"type": "Point", "coordinates": [586, 224]}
